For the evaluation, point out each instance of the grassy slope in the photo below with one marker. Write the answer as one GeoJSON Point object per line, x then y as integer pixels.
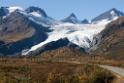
{"type": "Point", "coordinates": [14, 70]}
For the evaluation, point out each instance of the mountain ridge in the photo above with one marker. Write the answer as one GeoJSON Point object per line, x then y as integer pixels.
{"type": "Point", "coordinates": [82, 35]}
{"type": "Point", "coordinates": [110, 14]}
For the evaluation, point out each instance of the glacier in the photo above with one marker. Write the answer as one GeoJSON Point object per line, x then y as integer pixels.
{"type": "Point", "coordinates": [79, 34]}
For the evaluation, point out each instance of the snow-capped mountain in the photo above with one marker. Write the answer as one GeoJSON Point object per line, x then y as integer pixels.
{"type": "Point", "coordinates": [81, 35]}
{"type": "Point", "coordinates": [4, 11]}
{"type": "Point", "coordinates": [109, 15]}
{"type": "Point", "coordinates": [35, 14]}
{"type": "Point", "coordinates": [32, 30]}
{"type": "Point", "coordinates": [71, 19]}
{"type": "Point", "coordinates": [18, 32]}
{"type": "Point", "coordinates": [39, 16]}
{"type": "Point", "coordinates": [36, 11]}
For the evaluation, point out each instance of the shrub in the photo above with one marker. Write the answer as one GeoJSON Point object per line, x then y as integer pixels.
{"type": "Point", "coordinates": [100, 77]}
{"type": "Point", "coordinates": [74, 79]}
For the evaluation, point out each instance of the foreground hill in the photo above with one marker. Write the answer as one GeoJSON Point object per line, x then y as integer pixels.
{"type": "Point", "coordinates": [63, 52]}
{"type": "Point", "coordinates": [22, 70]}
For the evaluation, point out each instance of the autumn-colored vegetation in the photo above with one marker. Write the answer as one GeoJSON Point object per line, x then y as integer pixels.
{"type": "Point", "coordinates": [33, 70]}
{"type": "Point", "coordinates": [71, 54]}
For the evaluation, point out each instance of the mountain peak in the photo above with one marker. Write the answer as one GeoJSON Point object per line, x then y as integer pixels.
{"type": "Point", "coordinates": [115, 12]}
{"type": "Point", "coordinates": [113, 9]}
{"type": "Point", "coordinates": [36, 9]}
{"type": "Point", "coordinates": [109, 15]}
{"type": "Point", "coordinates": [71, 19]}
{"type": "Point", "coordinates": [73, 15]}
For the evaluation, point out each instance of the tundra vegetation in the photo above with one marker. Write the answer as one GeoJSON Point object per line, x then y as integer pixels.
{"type": "Point", "coordinates": [33, 70]}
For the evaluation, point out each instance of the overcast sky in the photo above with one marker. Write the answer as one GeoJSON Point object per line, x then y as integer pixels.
{"type": "Point", "coordinates": [59, 9]}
